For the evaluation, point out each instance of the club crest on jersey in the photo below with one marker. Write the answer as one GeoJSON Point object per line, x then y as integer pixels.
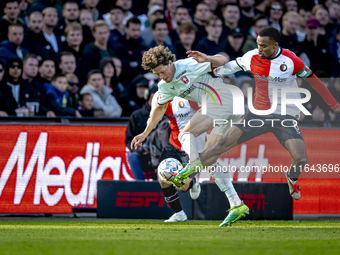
{"type": "Point", "coordinates": [283, 67]}
{"type": "Point", "coordinates": [184, 79]}
{"type": "Point", "coordinates": [181, 104]}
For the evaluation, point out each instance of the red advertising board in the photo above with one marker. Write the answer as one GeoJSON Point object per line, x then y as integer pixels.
{"type": "Point", "coordinates": [50, 169]}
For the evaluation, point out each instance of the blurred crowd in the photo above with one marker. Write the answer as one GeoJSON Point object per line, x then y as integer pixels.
{"type": "Point", "coordinates": [83, 58]}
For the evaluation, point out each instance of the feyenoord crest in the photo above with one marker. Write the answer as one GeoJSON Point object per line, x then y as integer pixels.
{"type": "Point", "coordinates": [184, 79]}
{"type": "Point", "coordinates": [283, 67]}
{"type": "Point", "coordinates": [181, 104]}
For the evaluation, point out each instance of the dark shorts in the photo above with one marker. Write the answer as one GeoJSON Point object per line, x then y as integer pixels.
{"type": "Point", "coordinates": [172, 152]}
{"type": "Point", "coordinates": [290, 130]}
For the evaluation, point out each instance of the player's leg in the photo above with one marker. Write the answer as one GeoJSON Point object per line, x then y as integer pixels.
{"type": "Point", "coordinates": [297, 150]}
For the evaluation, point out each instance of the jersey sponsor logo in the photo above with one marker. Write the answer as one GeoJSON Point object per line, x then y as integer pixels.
{"type": "Point", "coordinates": [181, 104]}
{"type": "Point", "coordinates": [270, 78]}
{"type": "Point", "coordinates": [182, 73]}
{"type": "Point", "coordinates": [184, 79]}
{"type": "Point", "coordinates": [283, 67]}
{"type": "Point", "coordinates": [178, 116]}
{"type": "Point", "coordinates": [139, 199]}
{"type": "Point", "coordinates": [188, 91]}
{"type": "Point", "coordinates": [258, 63]}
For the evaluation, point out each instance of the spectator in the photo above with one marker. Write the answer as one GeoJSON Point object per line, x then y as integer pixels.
{"type": "Point", "coordinates": [71, 16]}
{"type": "Point", "coordinates": [187, 35]}
{"type": "Point", "coordinates": [67, 63]}
{"type": "Point", "coordinates": [91, 5]}
{"type": "Point", "coordinates": [231, 15]}
{"type": "Point", "coordinates": [46, 71]}
{"type": "Point", "coordinates": [57, 97]}
{"type": "Point", "coordinates": [248, 12]}
{"type": "Point", "coordinates": [101, 94]}
{"type": "Point", "coordinates": [74, 40]}
{"type": "Point", "coordinates": [50, 20]}
{"type": "Point", "coordinates": [34, 40]}
{"type": "Point", "coordinates": [86, 106]}
{"type": "Point", "coordinates": [291, 5]}
{"type": "Point", "coordinates": [260, 21]}
{"type": "Point", "coordinates": [137, 88]}
{"type": "Point", "coordinates": [98, 49]}
{"type": "Point", "coordinates": [317, 49]}
{"type": "Point", "coordinates": [2, 70]}
{"type": "Point", "coordinates": [320, 13]}
{"type": "Point", "coordinates": [118, 66]}
{"type": "Point", "coordinates": [3, 106]}
{"type": "Point", "coordinates": [290, 22]}
{"type": "Point", "coordinates": [30, 72]}
{"type": "Point", "coordinates": [334, 45]}
{"type": "Point", "coordinates": [182, 15]}
{"type": "Point", "coordinates": [141, 156]}
{"type": "Point", "coordinates": [201, 16]}
{"type": "Point", "coordinates": [118, 28]}
{"type": "Point", "coordinates": [160, 33]}
{"type": "Point", "coordinates": [154, 13]}
{"type": "Point", "coordinates": [171, 6]}
{"type": "Point", "coordinates": [126, 5]}
{"type": "Point", "coordinates": [144, 19]}
{"type": "Point", "coordinates": [18, 95]}
{"type": "Point", "coordinates": [12, 47]}
{"type": "Point", "coordinates": [334, 15]}
{"type": "Point", "coordinates": [86, 18]}
{"type": "Point", "coordinates": [109, 71]}
{"type": "Point", "coordinates": [210, 44]}
{"type": "Point", "coordinates": [73, 89]}
{"type": "Point", "coordinates": [305, 15]}
{"type": "Point", "coordinates": [274, 10]}
{"type": "Point", "coordinates": [11, 11]}
{"type": "Point", "coordinates": [234, 43]}
{"type": "Point", "coordinates": [130, 50]}
{"type": "Point", "coordinates": [40, 5]}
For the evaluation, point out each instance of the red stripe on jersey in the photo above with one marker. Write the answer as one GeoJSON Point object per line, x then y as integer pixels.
{"type": "Point", "coordinates": [173, 127]}
{"type": "Point", "coordinates": [298, 64]}
{"type": "Point", "coordinates": [194, 105]}
{"type": "Point", "coordinates": [260, 67]}
{"type": "Point", "coordinates": [212, 68]}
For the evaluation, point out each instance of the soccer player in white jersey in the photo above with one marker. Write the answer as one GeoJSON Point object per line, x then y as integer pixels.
{"type": "Point", "coordinates": [191, 80]}
{"type": "Point", "coordinates": [273, 68]}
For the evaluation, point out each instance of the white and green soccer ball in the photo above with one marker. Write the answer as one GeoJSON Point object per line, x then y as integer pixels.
{"type": "Point", "coordinates": [171, 165]}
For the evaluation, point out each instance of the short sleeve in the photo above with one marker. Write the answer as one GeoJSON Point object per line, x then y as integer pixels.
{"type": "Point", "coordinates": [199, 68]}
{"type": "Point", "coordinates": [244, 61]}
{"type": "Point", "coordinates": [164, 95]}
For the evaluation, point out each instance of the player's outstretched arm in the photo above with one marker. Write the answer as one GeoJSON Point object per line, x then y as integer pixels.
{"type": "Point", "coordinates": [155, 117]}
{"type": "Point", "coordinates": [216, 60]}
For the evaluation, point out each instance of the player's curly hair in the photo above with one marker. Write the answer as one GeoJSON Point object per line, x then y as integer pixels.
{"type": "Point", "coordinates": [157, 56]}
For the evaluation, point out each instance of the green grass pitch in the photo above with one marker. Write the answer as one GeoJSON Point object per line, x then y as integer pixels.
{"type": "Point", "coordinates": [94, 236]}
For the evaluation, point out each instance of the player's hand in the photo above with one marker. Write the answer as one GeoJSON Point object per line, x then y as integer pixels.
{"type": "Point", "coordinates": [198, 56]}
{"type": "Point", "coordinates": [137, 141]}
{"type": "Point", "coordinates": [337, 110]}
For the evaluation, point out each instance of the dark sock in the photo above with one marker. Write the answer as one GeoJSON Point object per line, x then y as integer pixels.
{"type": "Point", "coordinates": [171, 197]}
{"type": "Point", "coordinates": [192, 183]}
{"type": "Point", "coordinates": [295, 171]}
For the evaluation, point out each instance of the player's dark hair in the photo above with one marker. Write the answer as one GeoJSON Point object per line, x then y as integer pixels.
{"type": "Point", "coordinates": [58, 75]}
{"type": "Point", "coordinates": [133, 20]}
{"type": "Point", "coordinates": [271, 32]}
{"type": "Point", "coordinates": [159, 21]}
{"type": "Point", "coordinates": [94, 71]}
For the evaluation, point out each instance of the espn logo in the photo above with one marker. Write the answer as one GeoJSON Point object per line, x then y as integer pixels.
{"type": "Point", "coordinates": [139, 199]}
{"type": "Point", "coordinates": [254, 199]}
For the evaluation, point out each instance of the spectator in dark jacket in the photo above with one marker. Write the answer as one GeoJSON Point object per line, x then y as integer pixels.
{"type": "Point", "coordinates": [187, 35]}
{"type": "Point", "coordinates": [12, 47]}
{"type": "Point", "coordinates": [11, 10]}
{"type": "Point", "coordinates": [160, 32]}
{"type": "Point", "coordinates": [17, 93]}
{"type": "Point", "coordinates": [3, 106]}
{"type": "Point", "coordinates": [99, 49]}
{"type": "Point", "coordinates": [233, 45]}
{"type": "Point", "coordinates": [34, 40]}
{"type": "Point", "coordinates": [57, 97]}
{"type": "Point", "coordinates": [40, 5]}
{"type": "Point", "coordinates": [116, 18]}
{"type": "Point", "coordinates": [141, 156]}
{"type": "Point", "coordinates": [108, 69]}
{"type": "Point", "coordinates": [50, 20]}
{"type": "Point", "coordinates": [92, 7]}
{"type": "Point", "coordinates": [130, 51]}
{"type": "Point", "coordinates": [334, 47]}
{"type": "Point", "coordinates": [46, 71]}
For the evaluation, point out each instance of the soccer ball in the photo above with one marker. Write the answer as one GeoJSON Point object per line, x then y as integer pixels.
{"type": "Point", "coordinates": [171, 165]}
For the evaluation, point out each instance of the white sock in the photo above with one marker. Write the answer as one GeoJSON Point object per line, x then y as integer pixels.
{"type": "Point", "coordinates": [223, 181]}
{"type": "Point", "coordinates": [189, 145]}
{"type": "Point", "coordinates": [182, 213]}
